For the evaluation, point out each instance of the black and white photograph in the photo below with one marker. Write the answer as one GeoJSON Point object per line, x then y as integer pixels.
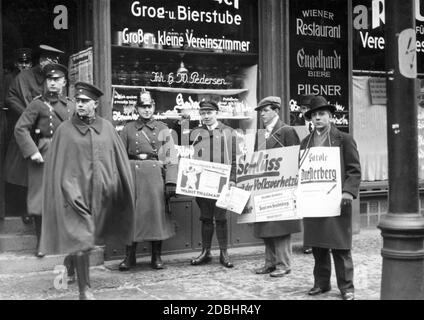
{"type": "Point", "coordinates": [212, 158]}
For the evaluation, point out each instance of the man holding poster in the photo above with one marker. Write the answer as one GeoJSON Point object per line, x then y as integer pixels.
{"type": "Point", "coordinates": [334, 232]}
{"type": "Point", "coordinates": [276, 234]}
{"type": "Point", "coordinates": [214, 142]}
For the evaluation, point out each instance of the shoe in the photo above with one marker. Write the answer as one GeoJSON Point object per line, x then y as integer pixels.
{"type": "Point", "coordinates": [265, 270]}
{"type": "Point", "coordinates": [39, 254]}
{"type": "Point", "coordinates": [224, 259]}
{"type": "Point", "coordinates": [86, 295]}
{"type": "Point", "coordinates": [204, 257]}
{"type": "Point", "coordinates": [130, 258]}
{"type": "Point", "coordinates": [348, 296]}
{"type": "Point", "coordinates": [307, 250]}
{"type": "Point", "coordinates": [71, 279]}
{"type": "Point", "coordinates": [156, 262]}
{"type": "Point", "coordinates": [278, 272]}
{"type": "Point", "coordinates": [317, 290]}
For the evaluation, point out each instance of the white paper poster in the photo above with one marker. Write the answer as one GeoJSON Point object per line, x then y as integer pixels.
{"type": "Point", "coordinates": [80, 68]}
{"type": "Point", "coordinates": [271, 177]}
{"type": "Point", "coordinates": [234, 199]}
{"type": "Point", "coordinates": [320, 188]}
{"type": "Point", "coordinates": [202, 178]}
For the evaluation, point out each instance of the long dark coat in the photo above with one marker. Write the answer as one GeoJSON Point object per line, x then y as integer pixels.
{"type": "Point", "coordinates": [41, 121]}
{"type": "Point", "coordinates": [281, 136]}
{"type": "Point", "coordinates": [152, 222]}
{"type": "Point", "coordinates": [27, 85]}
{"type": "Point", "coordinates": [336, 232]}
{"type": "Point", "coordinates": [88, 196]}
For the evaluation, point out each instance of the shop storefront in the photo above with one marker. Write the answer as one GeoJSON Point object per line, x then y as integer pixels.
{"type": "Point", "coordinates": [232, 51]}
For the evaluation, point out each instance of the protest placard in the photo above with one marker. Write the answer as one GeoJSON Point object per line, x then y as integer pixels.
{"type": "Point", "coordinates": [202, 178]}
{"type": "Point", "coordinates": [271, 177]}
{"type": "Point", "coordinates": [233, 199]}
{"type": "Point", "coordinates": [320, 188]}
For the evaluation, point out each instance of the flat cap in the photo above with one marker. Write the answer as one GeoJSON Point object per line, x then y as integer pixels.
{"type": "Point", "coordinates": [88, 90]}
{"type": "Point", "coordinates": [269, 101]}
{"type": "Point", "coordinates": [208, 105]}
{"type": "Point", "coordinates": [55, 70]}
{"type": "Point", "coordinates": [23, 54]}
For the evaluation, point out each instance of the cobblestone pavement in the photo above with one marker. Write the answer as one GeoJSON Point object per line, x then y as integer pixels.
{"type": "Point", "coordinates": [181, 281]}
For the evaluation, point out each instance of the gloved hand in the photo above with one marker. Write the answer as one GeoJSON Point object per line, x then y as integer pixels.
{"type": "Point", "coordinates": [346, 199]}
{"type": "Point", "coordinates": [170, 190]}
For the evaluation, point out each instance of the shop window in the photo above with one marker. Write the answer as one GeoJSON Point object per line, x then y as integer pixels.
{"type": "Point", "coordinates": [184, 52]}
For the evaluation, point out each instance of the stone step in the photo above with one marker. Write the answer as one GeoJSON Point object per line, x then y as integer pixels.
{"type": "Point", "coordinates": [12, 225]}
{"type": "Point", "coordinates": [16, 263]}
{"type": "Point", "coordinates": [17, 243]}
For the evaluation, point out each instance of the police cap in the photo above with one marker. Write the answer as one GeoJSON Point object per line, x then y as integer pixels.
{"type": "Point", "coordinates": [23, 55]}
{"type": "Point", "coordinates": [55, 70]}
{"type": "Point", "coordinates": [88, 90]}
{"type": "Point", "coordinates": [47, 51]}
{"type": "Point", "coordinates": [208, 105]}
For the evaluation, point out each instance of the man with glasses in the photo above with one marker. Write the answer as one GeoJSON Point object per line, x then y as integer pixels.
{"type": "Point", "coordinates": [214, 142]}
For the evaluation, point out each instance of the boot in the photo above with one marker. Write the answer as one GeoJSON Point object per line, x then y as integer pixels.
{"type": "Point", "coordinates": [130, 258]}
{"type": "Point", "coordinates": [70, 268]}
{"type": "Point", "coordinates": [156, 262]}
{"type": "Point", "coordinates": [83, 276]}
{"type": "Point", "coordinates": [225, 259]}
{"type": "Point", "coordinates": [204, 257]}
{"type": "Point", "coordinates": [37, 223]}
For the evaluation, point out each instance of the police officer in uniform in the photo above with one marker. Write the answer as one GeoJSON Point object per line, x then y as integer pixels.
{"type": "Point", "coordinates": [34, 131]}
{"type": "Point", "coordinates": [153, 158]}
{"type": "Point", "coordinates": [27, 85]}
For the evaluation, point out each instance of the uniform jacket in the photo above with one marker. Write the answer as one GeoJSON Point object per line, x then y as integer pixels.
{"type": "Point", "coordinates": [88, 196]}
{"type": "Point", "coordinates": [224, 143]}
{"type": "Point", "coordinates": [281, 136]}
{"type": "Point", "coordinates": [336, 232]}
{"type": "Point", "coordinates": [39, 121]}
{"type": "Point", "coordinates": [152, 223]}
{"type": "Point", "coordinates": [27, 85]}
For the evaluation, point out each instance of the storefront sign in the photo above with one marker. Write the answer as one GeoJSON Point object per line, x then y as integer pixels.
{"type": "Point", "coordinates": [202, 179]}
{"type": "Point", "coordinates": [189, 25]}
{"type": "Point", "coordinates": [320, 187]}
{"type": "Point", "coordinates": [271, 177]}
{"type": "Point", "coordinates": [319, 54]}
{"type": "Point", "coordinates": [369, 19]}
{"type": "Point", "coordinates": [378, 90]}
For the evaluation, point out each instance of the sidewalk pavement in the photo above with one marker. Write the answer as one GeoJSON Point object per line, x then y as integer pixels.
{"type": "Point", "coordinates": [181, 281]}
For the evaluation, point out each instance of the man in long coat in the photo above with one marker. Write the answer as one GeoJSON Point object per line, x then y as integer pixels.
{"type": "Point", "coordinates": [276, 234]}
{"type": "Point", "coordinates": [88, 186]}
{"type": "Point", "coordinates": [34, 131]}
{"type": "Point", "coordinates": [27, 85]}
{"type": "Point", "coordinates": [153, 160]}
{"type": "Point", "coordinates": [333, 233]}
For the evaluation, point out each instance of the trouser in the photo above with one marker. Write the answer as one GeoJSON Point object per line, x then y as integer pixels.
{"type": "Point", "coordinates": [278, 251]}
{"type": "Point", "coordinates": [343, 264]}
{"type": "Point", "coordinates": [38, 224]}
{"type": "Point", "coordinates": [208, 212]}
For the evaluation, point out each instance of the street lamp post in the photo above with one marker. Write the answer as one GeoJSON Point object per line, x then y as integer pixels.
{"type": "Point", "coordinates": [402, 228]}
